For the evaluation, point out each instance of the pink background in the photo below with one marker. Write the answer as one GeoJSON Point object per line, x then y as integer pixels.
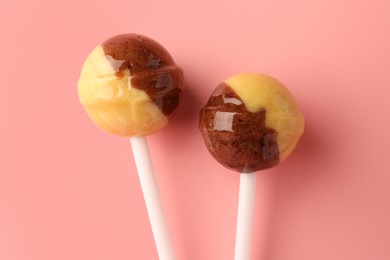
{"type": "Point", "coordinates": [70, 191]}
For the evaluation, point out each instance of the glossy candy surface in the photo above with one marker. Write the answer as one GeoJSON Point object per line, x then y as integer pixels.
{"type": "Point", "coordinates": [130, 85]}
{"type": "Point", "coordinates": [251, 122]}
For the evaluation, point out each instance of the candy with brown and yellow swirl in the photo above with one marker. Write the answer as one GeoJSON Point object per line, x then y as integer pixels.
{"type": "Point", "coordinates": [130, 85]}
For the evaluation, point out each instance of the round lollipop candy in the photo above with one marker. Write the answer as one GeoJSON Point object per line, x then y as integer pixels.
{"type": "Point", "coordinates": [251, 122]}
{"type": "Point", "coordinates": [130, 86]}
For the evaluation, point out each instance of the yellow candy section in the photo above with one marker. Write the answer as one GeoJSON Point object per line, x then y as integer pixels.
{"type": "Point", "coordinates": [112, 103]}
{"type": "Point", "coordinates": [259, 91]}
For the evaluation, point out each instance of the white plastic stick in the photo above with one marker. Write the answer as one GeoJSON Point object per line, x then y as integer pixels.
{"type": "Point", "coordinates": [246, 205]}
{"type": "Point", "coordinates": [152, 198]}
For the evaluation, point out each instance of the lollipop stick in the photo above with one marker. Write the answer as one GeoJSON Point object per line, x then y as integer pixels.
{"type": "Point", "coordinates": [246, 202]}
{"type": "Point", "coordinates": [152, 198]}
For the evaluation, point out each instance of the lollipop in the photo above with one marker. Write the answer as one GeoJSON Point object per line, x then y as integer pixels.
{"type": "Point", "coordinates": [130, 86]}
{"type": "Point", "coordinates": [250, 123]}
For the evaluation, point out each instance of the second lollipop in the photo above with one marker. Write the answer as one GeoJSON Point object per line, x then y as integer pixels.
{"type": "Point", "coordinates": [251, 122]}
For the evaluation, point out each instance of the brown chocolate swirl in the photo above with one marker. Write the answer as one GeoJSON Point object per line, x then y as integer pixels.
{"type": "Point", "coordinates": [151, 67]}
{"type": "Point", "coordinates": [235, 137]}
